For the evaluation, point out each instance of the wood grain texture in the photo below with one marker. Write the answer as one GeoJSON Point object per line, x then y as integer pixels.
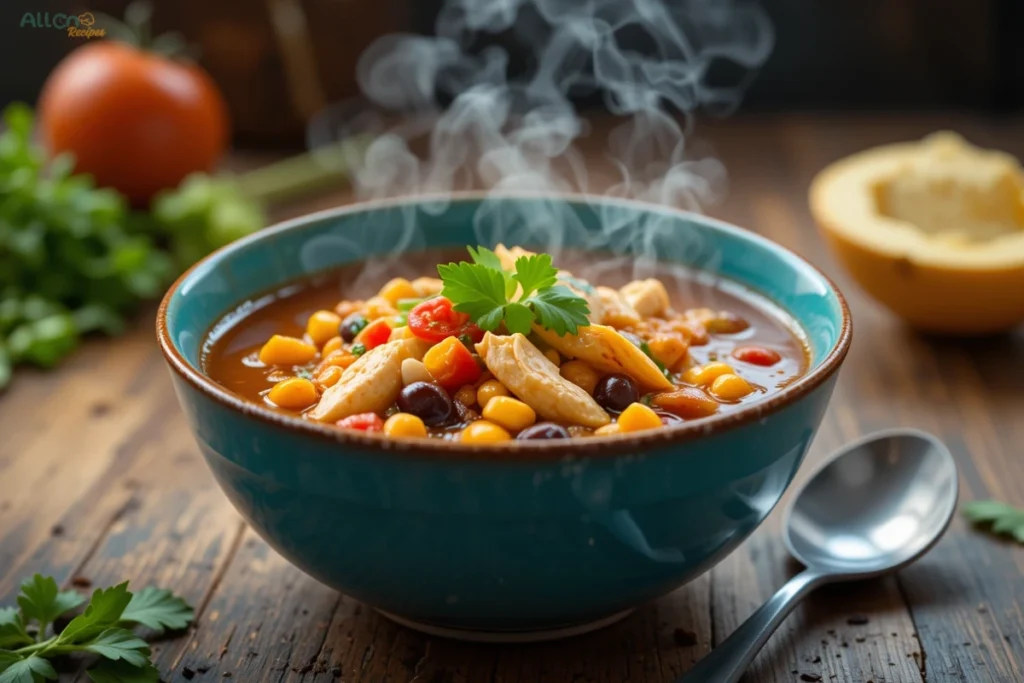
{"type": "Point", "coordinates": [100, 482]}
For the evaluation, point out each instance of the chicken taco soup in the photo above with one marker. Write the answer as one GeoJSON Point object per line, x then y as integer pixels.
{"type": "Point", "coordinates": [504, 345]}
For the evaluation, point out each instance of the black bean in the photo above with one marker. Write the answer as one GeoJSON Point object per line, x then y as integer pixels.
{"type": "Point", "coordinates": [616, 392]}
{"type": "Point", "coordinates": [351, 326]}
{"type": "Point", "coordinates": [427, 401]}
{"type": "Point", "coordinates": [543, 430]}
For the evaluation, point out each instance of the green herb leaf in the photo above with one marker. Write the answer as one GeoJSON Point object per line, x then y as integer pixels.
{"type": "Point", "coordinates": [358, 349]}
{"type": "Point", "coordinates": [476, 290]}
{"type": "Point", "coordinates": [28, 670]}
{"type": "Point", "coordinates": [104, 611]}
{"type": "Point", "coordinates": [559, 310]}
{"type": "Point", "coordinates": [157, 609]}
{"type": "Point", "coordinates": [646, 348]}
{"type": "Point", "coordinates": [12, 630]}
{"type": "Point", "coordinates": [484, 292]}
{"type": "Point", "coordinates": [119, 643]}
{"type": "Point", "coordinates": [122, 672]}
{"type": "Point", "coordinates": [8, 658]}
{"type": "Point", "coordinates": [42, 601]}
{"type": "Point", "coordinates": [518, 318]}
{"type": "Point", "coordinates": [1003, 518]}
{"type": "Point", "coordinates": [535, 273]}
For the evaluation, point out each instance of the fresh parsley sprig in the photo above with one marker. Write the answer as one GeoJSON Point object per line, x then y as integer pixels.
{"type": "Point", "coordinates": [488, 294]}
{"type": "Point", "coordinates": [1003, 518]}
{"type": "Point", "coordinates": [103, 629]}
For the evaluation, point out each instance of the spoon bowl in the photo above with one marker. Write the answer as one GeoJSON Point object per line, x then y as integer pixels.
{"type": "Point", "coordinates": [878, 505]}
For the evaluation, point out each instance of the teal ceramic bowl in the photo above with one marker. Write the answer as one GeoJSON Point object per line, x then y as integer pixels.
{"type": "Point", "coordinates": [514, 541]}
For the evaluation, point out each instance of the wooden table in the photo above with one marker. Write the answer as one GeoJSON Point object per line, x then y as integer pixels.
{"type": "Point", "coordinates": [101, 481]}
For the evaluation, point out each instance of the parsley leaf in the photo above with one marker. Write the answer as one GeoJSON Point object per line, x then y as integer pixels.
{"type": "Point", "coordinates": [100, 631]}
{"type": "Point", "coordinates": [157, 609]}
{"type": "Point", "coordinates": [104, 611]}
{"type": "Point", "coordinates": [560, 310]}
{"type": "Point", "coordinates": [1003, 518]}
{"type": "Point", "coordinates": [27, 670]}
{"type": "Point", "coordinates": [12, 630]}
{"type": "Point", "coordinates": [487, 294]}
{"type": "Point", "coordinates": [122, 672]}
{"type": "Point", "coordinates": [43, 601]}
{"type": "Point", "coordinates": [475, 289]}
{"type": "Point", "coordinates": [535, 273]}
{"type": "Point", "coordinates": [119, 643]}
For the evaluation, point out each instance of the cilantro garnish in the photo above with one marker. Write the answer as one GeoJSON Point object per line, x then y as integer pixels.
{"type": "Point", "coordinates": [487, 294]}
{"type": "Point", "coordinates": [103, 629]}
{"type": "Point", "coordinates": [358, 349]}
{"type": "Point", "coordinates": [1003, 518]}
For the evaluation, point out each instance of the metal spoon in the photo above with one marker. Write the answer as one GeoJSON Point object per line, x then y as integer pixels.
{"type": "Point", "coordinates": [875, 507]}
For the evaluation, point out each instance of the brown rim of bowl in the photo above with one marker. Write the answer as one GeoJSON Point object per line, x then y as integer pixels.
{"type": "Point", "coordinates": [516, 450]}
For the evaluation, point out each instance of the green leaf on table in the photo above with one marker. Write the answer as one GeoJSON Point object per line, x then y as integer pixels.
{"type": "Point", "coordinates": [119, 643]}
{"type": "Point", "coordinates": [104, 611]}
{"type": "Point", "coordinates": [28, 670]}
{"type": "Point", "coordinates": [122, 672]}
{"type": "Point", "coordinates": [12, 630]}
{"type": "Point", "coordinates": [1003, 518]}
{"type": "Point", "coordinates": [43, 601]}
{"type": "Point", "coordinates": [158, 609]}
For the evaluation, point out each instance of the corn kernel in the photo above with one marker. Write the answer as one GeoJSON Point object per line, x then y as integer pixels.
{"type": "Point", "coordinates": [483, 431]}
{"type": "Point", "coordinates": [322, 326]}
{"type": "Point", "coordinates": [488, 390]}
{"type": "Point", "coordinates": [293, 393]}
{"type": "Point", "coordinates": [553, 356]}
{"type": "Point", "coordinates": [415, 371]}
{"type": "Point", "coordinates": [378, 307]}
{"type": "Point", "coordinates": [638, 417]}
{"type": "Point", "coordinates": [328, 377]}
{"type": "Point", "coordinates": [398, 288]}
{"type": "Point", "coordinates": [281, 350]}
{"type": "Point", "coordinates": [510, 413]}
{"type": "Point", "coordinates": [340, 358]}
{"type": "Point", "coordinates": [466, 396]}
{"type": "Point", "coordinates": [349, 306]}
{"type": "Point", "coordinates": [402, 332]}
{"type": "Point", "coordinates": [668, 349]}
{"type": "Point", "coordinates": [331, 345]}
{"type": "Point", "coordinates": [729, 387]}
{"type": "Point", "coordinates": [703, 375]}
{"type": "Point", "coordinates": [608, 430]}
{"type": "Point", "coordinates": [580, 374]}
{"type": "Point", "coordinates": [405, 424]}
{"type": "Point", "coordinates": [427, 286]}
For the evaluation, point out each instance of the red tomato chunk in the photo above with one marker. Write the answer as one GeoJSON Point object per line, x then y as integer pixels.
{"type": "Point", "coordinates": [435, 319]}
{"type": "Point", "coordinates": [757, 355]}
{"type": "Point", "coordinates": [364, 422]}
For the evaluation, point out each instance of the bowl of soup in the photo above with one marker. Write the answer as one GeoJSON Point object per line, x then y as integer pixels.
{"type": "Point", "coordinates": [504, 417]}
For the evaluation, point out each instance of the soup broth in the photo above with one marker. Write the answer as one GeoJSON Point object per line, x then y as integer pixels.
{"type": "Point", "coordinates": [715, 348]}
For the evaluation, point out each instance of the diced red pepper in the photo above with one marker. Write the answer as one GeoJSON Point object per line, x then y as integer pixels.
{"type": "Point", "coordinates": [757, 355]}
{"type": "Point", "coordinates": [435, 320]}
{"type": "Point", "coordinates": [374, 334]}
{"type": "Point", "coordinates": [363, 422]}
{"type": "Point", "coordinates": [451, 364]}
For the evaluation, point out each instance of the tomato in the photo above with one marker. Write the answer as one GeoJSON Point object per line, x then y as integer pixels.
{"type": "Point", "coordinates": [363, 422]}
{"type": "Point", "coordinates": [451, 364]}
{"type": "Point", "coordinates": [435, 319]}
{"type": "Point", "coordinates": [757, 355]}
{"type": "Point", "coordinates": [134, 120]}
{"type": "Point", "coordinates": [374, 334]}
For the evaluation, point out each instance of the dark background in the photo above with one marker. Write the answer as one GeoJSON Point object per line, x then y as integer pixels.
{"type": "Point", "coordinates": [834, 55]}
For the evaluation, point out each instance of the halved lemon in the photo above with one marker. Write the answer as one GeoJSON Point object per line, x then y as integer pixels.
{"type": "Point", "coordinates": [932, 229]}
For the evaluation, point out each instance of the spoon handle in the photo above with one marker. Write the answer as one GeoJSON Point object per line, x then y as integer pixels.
{"type": "Point", "coordinates": [727, 662]}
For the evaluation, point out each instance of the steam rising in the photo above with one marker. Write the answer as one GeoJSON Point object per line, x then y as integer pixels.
{"type": "Point", "coordinates": [467, 122]}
